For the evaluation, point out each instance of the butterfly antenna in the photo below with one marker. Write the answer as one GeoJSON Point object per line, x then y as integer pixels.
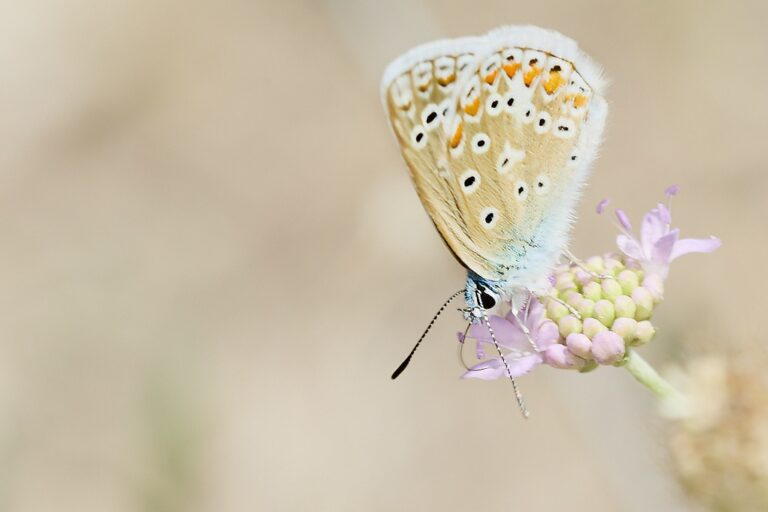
{"type": "Point", "coordinates": [407, 360]}
{"type": "Point", "coordinates": [518, 395]}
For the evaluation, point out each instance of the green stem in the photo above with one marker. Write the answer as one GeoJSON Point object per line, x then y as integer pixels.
{"type": "Point", "coordinates": [648, 377]}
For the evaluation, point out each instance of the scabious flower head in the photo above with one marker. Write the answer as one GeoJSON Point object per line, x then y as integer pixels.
{"type": "Point", "coordinates": [595, 311]}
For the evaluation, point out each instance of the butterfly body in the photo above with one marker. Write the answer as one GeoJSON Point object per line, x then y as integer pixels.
{"type": "Point", "coordinates": [499, 133]}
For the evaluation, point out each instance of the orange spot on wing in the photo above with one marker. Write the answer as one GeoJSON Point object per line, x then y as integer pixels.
{"type": "Point", "coordinates": [554, 81]}
{"type": "Point", "coordinates": [447, 80]}
{"type": "Point", "coordinates": [456, 137]}
{"type": "Point", "coordinates": [473, 107]}
{"type": "Point", "coordinates": [580, 100]}
{"type": "Point", "coordinates": [511, 68]}
{"type": "Point", "coordinates": [423, 87]}
{"type": "Point", "coordinates": [531, 75]}
{"type": "Point", "coordinates": [490, 77]}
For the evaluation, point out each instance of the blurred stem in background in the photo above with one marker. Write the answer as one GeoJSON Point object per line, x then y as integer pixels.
{"type": "Point", "coordinates": [171, 425]}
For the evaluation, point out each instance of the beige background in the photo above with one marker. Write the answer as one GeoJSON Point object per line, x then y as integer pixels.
{"type": "Point", "coordinates": [212, 258]}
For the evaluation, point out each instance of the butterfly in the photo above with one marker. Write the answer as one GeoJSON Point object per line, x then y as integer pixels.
{"type": "Point", "coordinates": [499, 133]}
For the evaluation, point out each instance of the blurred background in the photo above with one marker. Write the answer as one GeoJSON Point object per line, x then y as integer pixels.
{"type": "Point", "coordinates": [212, 258]}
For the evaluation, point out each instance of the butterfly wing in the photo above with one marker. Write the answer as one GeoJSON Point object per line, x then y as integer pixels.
{"type": "Point", "coordinates": [499, 133]}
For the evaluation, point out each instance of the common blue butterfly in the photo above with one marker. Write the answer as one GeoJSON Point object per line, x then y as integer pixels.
{"type": "Point", "coordinates": [499, 133]}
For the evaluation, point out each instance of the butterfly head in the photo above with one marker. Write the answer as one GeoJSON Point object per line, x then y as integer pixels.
{"type": "Point", "coordinates": [480, 294]}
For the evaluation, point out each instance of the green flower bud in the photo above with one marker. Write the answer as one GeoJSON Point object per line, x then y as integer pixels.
{"type": "Point", "coordinates": [593, 291]}
{"type": "Point", "coordinates": [643, 300]}
{"type": "Point", "coordinates": [605, 312]}
{"type": "Point", "coordinates": [624, 306]}
{"type": "Point", "coordinates": [555, 310]}
{"type": "Point", "coordinates": [645, 332]}
{"type": "Point", "coordinates": [611, 289]}
{"type": "Point", "coordinates": [592, 326]}
{"type": "Point", "coordinates": [613, 266]}
{"type": "Point", "coordinates": [626, 328]}
{"type": "Point", "coordinates": [569, 324]}
{"type": "Point", "coordinates": [595, 264]}
{"type": "Point", "coordinates": [564, 281]}
{"type": "Point", "coordinates": [608, 348]}
{"type": "Point", "coordinates": [573, 298]}
{"type": "Point", "coordinates": [586, 308]}
{"type": "Point", "coordinates": [629, 280]}
{"type": "Point", "coordinates": [580, 345]}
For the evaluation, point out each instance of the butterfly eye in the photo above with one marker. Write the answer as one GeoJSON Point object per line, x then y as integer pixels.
{"type": "Point", "coordinates": [521, 190]}
{"type": "Point", "coordinates": [481, 143]}
{"type": "Point", "coordinates": [486, 298]}
{"type": "Point", "coordinates": [489, 217]}
{"type": "Point", "coordinates": [564, 128]}
{"type": "Point", "coordinates": [418, 137]}
{"type": "Point", "coordinates": [542, 185]}
{"type": "Point", "coordinates": [494, 104]}
{"type": "Point", "coordinates": [431, 116]}
{"type": "Point", "coordinates": [470, 181]}
{"type": "Point", "coordinates": [542, 122]}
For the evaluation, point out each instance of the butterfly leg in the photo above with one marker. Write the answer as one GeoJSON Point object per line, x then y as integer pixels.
{"type": "Point", "coordinates": [480, 313]}
{"type": "Point", "coordinates": [576, 261]}
{"type": "Point", "coordinates": [461, 348]}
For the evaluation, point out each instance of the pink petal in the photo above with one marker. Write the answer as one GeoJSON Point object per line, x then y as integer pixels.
{"type": "Point", "coordinates": [664, 214]}
{"type": "Point", "coordinates": [494, 368]}
{"type": "Point", "coordinates": [630, 247]}
{"type": "Point", "coordinates": [601, 206]}
{"type": "Point", "coordinates": [671, 190]}
{"type": "Point", "coordinates": [623, 219]}
{"type": "Point", "coordinates": [506, 333]}
{"type": "Point", "coordinates": [660, 255]}
{"type": "Point", "coordinates": [662, 249]}
{"type": "Point", "coordinates": [651, 229]}
{"type": "Point", "coordinates": [547, 335]}
{"type": "Point", "coordinates": [487, 370]}
{"type": "Point", "coordinates": [534, 314]}
{"type": "Point", "coordinates": [688, 245]}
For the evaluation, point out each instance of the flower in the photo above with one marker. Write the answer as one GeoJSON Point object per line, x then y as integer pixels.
{"type": "Point", "coordinates": [597, 312]}
{"type": "Point", "coordinates": [716, 436]}
{"type": "Point", "coordinates": [659, 244]}
{"type": "Point", "coordinates": [518, 351]}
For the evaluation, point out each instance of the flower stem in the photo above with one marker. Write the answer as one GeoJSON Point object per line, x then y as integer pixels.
{"type": "Point", "coordinates": [648, 377]}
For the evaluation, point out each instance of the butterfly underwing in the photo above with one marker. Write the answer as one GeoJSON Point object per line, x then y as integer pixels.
{"type": "Point", "coordinates": [499, 133]}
